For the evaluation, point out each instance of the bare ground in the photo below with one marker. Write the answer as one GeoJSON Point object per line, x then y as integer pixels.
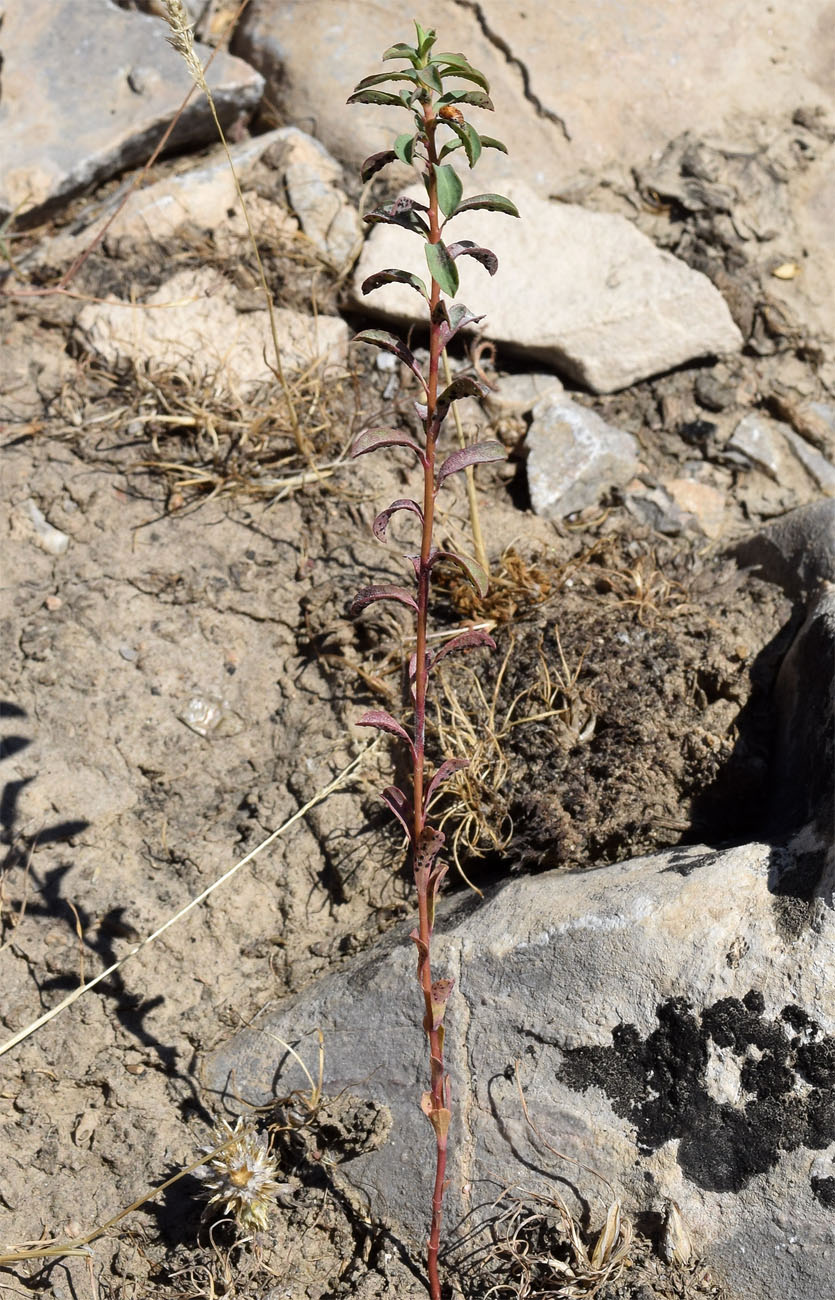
{"type": "Point", "coordinates": [184, 678]}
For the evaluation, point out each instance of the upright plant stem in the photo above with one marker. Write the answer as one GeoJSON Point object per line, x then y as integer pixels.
{"type": "Point", "coordinates": [438, 1100]}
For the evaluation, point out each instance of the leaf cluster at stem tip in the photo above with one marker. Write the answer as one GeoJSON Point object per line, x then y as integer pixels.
{"type": "Point", "coordinates": [434, 106]}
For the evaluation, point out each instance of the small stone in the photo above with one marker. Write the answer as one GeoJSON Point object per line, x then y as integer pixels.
{"type": "Point", "coordinates": [574, 456]}
{"type": "Point", "coordinates": [821, 469]}
{"type": "Point", "coordinates": [519, 394]}
{"type": "Point", "coordinates": [52, 603]}
{"type": "Point", "coordinates": [760, 441]}
{"type": "Point", "coordinates": [712, 394]}
{"type": "Point", "coordinates": [49, 539]}
{"type": "Point", "coordinates": [704, 503]}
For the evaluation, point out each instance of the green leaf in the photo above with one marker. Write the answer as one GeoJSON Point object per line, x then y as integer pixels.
{"type": "Point", "coordinates": [394, 276]}
{"type": "Point", "coordinates": [404, 147]}
{"type": "Point", "coordinates": [492, 203]}
{"type": "Point", "coordinates": [430, 79]}
{"type": "Point", "coordinates": [470, 139]}
{"type": "Point", "coordinates": [400, 51]}
{"type": "Point", "coordinates": [447, 56]}
{"type": "Point", "coordinates": [379, 77]}
{"type": "Point", "coordinates": [426, 39]}
{"type": "Point", "coordinates": [466, 74]}
{"type": "Point", "coordinates": [442, 268]}
{"type": "Point", "coordinates": [487, 142]}
{"type": "Point", "coordinates": [449, 189]}
{"type": "Point", "coordinates": [373, 97]}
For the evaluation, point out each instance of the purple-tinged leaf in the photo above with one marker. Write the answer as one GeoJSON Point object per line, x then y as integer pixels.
{"type": "Point", "coordinates": [385, 722]}
{"type": "Point", "coordinates": [469, 640]}
{"type": "Point", "coordinates": [457, 318]}
{"type": "Point", "coordinates": [441, 267]}
{"type": "Point", "coordinates": [403, 212]}
{"type": "Point", "coordinates": [390, 343]}
{"type": "Point", "coordinates": [369, 595]}
{"type": "Point", "coordinates": [466, 248]}
{"type": "Point", "coordinates": [428, 847]}
{"type": "Point", "coordinates": [376, 162]}
{"type": "Point", "coordinates": [396, 800]}
{"type": "Point", "coordinates": [404, 147]}
{"type": "Point", "coordinates": [447, 769]}
{"type": "Point", "coordinates": [471, 569]}
{"type": "Point", "coordinates": [373, 97]}
{"type": "Point", "coordinates": [381, 522]}
{"type": "Point", "coordinates": [468, 137]}
{"type": "Point", "coordinates": [422, 410]}
{"type": "Point", "coordinates": [371, 439]}
{"type": "Point", "coordinates": [463, 386]}
{"type": "Point", "coordinates": [491, 202]}
{"type": "Point", "coordinates": [393, 276]}
{"type": "Point", "coordinates": [479, 453]}
{"type": "Point", "coordinates": [475, 97]}
{"type": "Point", "coordinates": [402, 74]}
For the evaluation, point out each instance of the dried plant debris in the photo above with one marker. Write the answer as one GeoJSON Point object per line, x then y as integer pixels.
{"type": "Point", "coordinates": [620, 715]}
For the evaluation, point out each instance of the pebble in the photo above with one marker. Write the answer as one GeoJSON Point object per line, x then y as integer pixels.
{"type": "Point", "coordinates": [49, 539]}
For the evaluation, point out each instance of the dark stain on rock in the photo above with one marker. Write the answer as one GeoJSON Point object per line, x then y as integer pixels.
{"type": "Point", "coordinates": [823, 1189]}
{"type": "Point", "coordinates": [660, 1084]}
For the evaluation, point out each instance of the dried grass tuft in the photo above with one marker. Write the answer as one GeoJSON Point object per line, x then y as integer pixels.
{"type": "Point", "coordinates": [542, 1248]}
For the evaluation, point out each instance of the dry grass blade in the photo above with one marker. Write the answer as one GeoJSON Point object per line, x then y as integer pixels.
{"type": "Point", "coordinates": [482, 728]}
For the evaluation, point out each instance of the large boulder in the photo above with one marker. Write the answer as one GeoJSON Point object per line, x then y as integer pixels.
{"type": "Point", "coordinates": [87, 91]}
{"type": "Point", "coordinates": [674, 1030]}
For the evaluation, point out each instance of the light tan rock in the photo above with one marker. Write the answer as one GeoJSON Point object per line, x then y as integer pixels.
{"type": "Point", "coordinates": [313, 182]}
{"type": "Point", "coordinates": [705, 503]}
{"type": "Point", "coordinates": [584, 291]}
{"type": "Point", "coordinates": [191, 323]}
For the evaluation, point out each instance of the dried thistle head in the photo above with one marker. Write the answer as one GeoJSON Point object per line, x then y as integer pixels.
{"type": "Point", "coordinates": [241, 1178]}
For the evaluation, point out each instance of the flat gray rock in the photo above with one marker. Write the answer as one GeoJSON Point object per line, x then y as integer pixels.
{"type": "Point", "coordinates": [88, 89]}
{"type": "Point", "coordinates": [797, 552]}
{"type": "Point", "coordinates": [574, 456]}
{"type": "Point", "coordinates": [583, 291]}
{"type": "Point", "coordinates": [673, 1021]}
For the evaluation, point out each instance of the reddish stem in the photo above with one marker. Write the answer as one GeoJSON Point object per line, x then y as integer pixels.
{"type": "Point", "coordinates": [439, 1095]}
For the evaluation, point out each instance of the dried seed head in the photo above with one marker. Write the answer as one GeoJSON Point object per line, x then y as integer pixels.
{"type": "Point", "coordinates": [242, 1178]}
{"type": "Point", "coordinates": [182, 38]}
{"type": "Point", "coordinates": [676, 1246]}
